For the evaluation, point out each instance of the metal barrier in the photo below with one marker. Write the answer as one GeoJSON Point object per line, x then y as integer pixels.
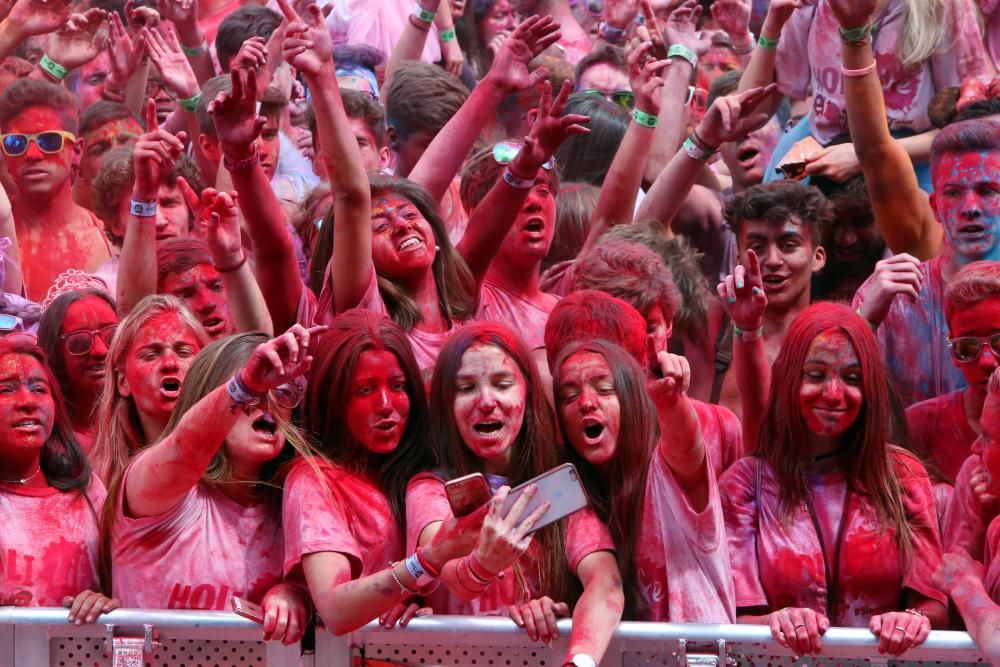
{"type": "Point", "coordinates": [33, 637]}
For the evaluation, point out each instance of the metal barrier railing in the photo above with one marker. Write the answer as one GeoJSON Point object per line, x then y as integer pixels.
{"type": "Point", "coordinates": [34, 637]}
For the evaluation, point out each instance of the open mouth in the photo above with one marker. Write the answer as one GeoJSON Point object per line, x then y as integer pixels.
{"type": "Point", "coordinates": [411, 243]}
{"type": "Point", "coordinates": [593, 431]}
{"type": "Point", "coordinates": [488, 428]}
{"type": "Point", "coordinates": [774, 281]}
{"type": "Point", "coordinates": [386, 425]}
{"type": "Point", "coordinates": [972, 229]}
{"type": "Point", "coordinates": [747, 157]}
{"type": "Point", "coordinates": [27, 424]}
{"type": "Point", "coordinates": [264, 426]}
{"type": "Point", "coordinates": [213, 323]}
{"type": "Point", "coordinates": [535, 226]}
{"type": "Point", "coordinates": [170, 387]}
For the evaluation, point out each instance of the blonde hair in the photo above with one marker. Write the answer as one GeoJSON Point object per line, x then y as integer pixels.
{"type": "Point", "coordinates": [926, 23]}
{"type": "Point", "coordinates": [119, 430]}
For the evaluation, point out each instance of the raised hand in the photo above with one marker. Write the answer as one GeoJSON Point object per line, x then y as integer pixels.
{"type": "Point", "coordinates": [539, 617]}
{"type": "Point", "coordinates": [156, 153]}
{"type": "Point", "coordinates": [620, 13]}
{"type": "Point", "coordinates": [505, 537]}
{"type": "Point", "coordinates": [549, 131]}
{"type": "Point", "coordinates": [779, 11]}
{"type": "Point", "coordinates": [899, 274]}
{"type": "Point", "coordinates": [252, 55]}
{"type": "Point", "coordinates": [165, 50]}
{"type": "Point", "coordinates": [307, 45]}
{"type": "Point", "coordinates": [853, 13]}
{"type": "Point", "coordinates": [452, 58]}
{"type": "Point", "coordinates": [235, 114]}
{"type": "Point", "coordinates": [509, 70]}
{"type": "Point", "coordinates": [281, 359]}
{"type": "Point", "coordinates": [218, 222]}
{"type": "Point", "coordinates": [742, 294]}
{"type": "Point", "coordinates": [184, 15]}
{"type": "Point", "coordinates": [732, 117]}
{"type": "Point", "coordinates": [125, 52]}
{"type": "Point", "coordinates": [668, 376]}
{"type": "Point", "coordinates": [682, 28]}
{"type": "Point", "coordinates": [140, 17]}
{"type": "Point", "coordinates": [80, 40]}
{"type": "Point", "coordinates": [645, 75]}
{"type": "Point", "coordinates": [733, 16]}
{"type": "Point", "coordinates": [37, 17]}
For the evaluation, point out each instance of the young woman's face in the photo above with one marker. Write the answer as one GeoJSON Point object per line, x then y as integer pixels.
{"type": "Point", "coordinates": [379, 404]}
{"type": "Point", "coordinates": [403, 242]}
{"type": "Point", "coordinates": [27, 408]}
{"type": "Point", "coordinates": [257, 438]}
{"type": "Point", "coordinates": [156, 364]}
{"type": "Point", "coordinates": [530, 237]}
{"type": "Point", "coordinates": [90, 316]}
{"type": "Point", "coordinates": [490, 394]}
{"type": "Point", "coordinates": [589, 406]}
{"type": "Point", "coordinates": [831, 395]}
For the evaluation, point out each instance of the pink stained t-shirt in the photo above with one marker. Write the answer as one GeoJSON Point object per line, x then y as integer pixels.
{"type": "Point", "coordinates": [992, 560]}
{"type": "Point", "coordinates": [426, 502]}
{"type": "Point", "coordinates": [965, 520]}
{"type": "Point", "coordinates": [48, 543]}
{"type": "Point", "coordinates": [778, 560]}
{"type": "Point", "coordinates": [342, 512]}
{"type": "Point", "coordinates": [942, 431]}
{"type": "Point", "coordinates": [196, 555]}
{"type": "Point", "coordinates": [721, 434]}
{"type": "Point", "coordinates": [500, 303]}
{"type": "Point", "coordinates": [991, 17]}
{"type": "Point", "coordinates": [813, 32]}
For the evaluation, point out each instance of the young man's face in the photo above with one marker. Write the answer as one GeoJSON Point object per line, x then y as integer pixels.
{"type": "Point", "coordinates": [747, 159]}
{"type": "Point", "coordinates": [854, 243]}
{"type": "Point", "coordinates": [91, 80]}
{"type": "Point", "coordinates": [37, 173]}
{"type": "Point", "coordinates": [980, 320]}
{"type": "Point", "coordinates": [100, 140]}
{"type": "Point", "coordinates": [373, 156]}
{"type": "Point", "coordinates": [605, 78]}
{"type": "Point", "coordinates": [967, 202]}
{"type": "Point", "coordinates": [530, 237]}
{"type": "Point", "coordinates": [269, 146]}
{"type": "Point", "coordinates": [788, 258]}
{"type": "Point", "coordinates": [173, 217]}
{"type": "Point", "coordinates": [409, 150]}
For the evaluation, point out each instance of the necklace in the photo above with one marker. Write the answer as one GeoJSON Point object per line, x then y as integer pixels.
{"type": "Point", "coordinates": [23, 480]}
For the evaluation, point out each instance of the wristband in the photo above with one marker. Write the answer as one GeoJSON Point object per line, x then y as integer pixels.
{"type": "Point", "coordinates": [517, 182]}
{"type": "Point", "coordinates": [864, 71]}
{"type": "Point", "coordinates": [748, 336]}
{"type": "Point", "coordinates": [403, 588]}
{"type": "Point", "coordinates": [53, 68]}
{"type": "Point", "coordinates": [423, 15]}
{"type": "Point", "coordinates": [767, 44]}
{"type": "Point", "coordinates": [744, 50]}
{"type": "Point", "coordinates": [241, 396]}
{"type": "Point", "coordinates": [192, 51]}
{"type": "Point", "coordinates": [235, 267]}
{"type": "Point", "coordinates": [611, 35]}
{"type": "Point", "coordinates": [860, 35]}
{"type": "Point", "coordinates": [417, 571]}
{"type": "Point", "coordinates": [143, 209]}
{"type": "Point", "coordinates": [447, 35]}
{"type": "Point", "coordinates": [643, 118]}
{"type": "Point", "coordinates": [426, 565]}
{"type": "Point", "coordinates": [478, 572]}
{"type": "Point", "coordinates": [191, 103]}
{"type": "Point", "coordinates": [681, 51]}
{"type": "Point", "coordinates": [696, 152]}
{"type": "Point", "coordinates": [241, 165]}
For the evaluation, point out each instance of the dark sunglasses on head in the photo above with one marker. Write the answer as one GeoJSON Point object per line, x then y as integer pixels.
{"type": "Point", "coordinates": [968, 348]}
{"type": "Point", "coordinates": [50, 141]}
{"type": "Point", "coordinates": [623, 98]}
{"type": "Point", "coordinates": [79, 343]}
{"type": "Point", "coordinates": [506, 151]}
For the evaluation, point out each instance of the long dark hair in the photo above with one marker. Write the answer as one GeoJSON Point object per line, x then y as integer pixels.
{"type": "Point", "coordinates": [335, 361]}
{"type": "Point", "coordinates": [587, 157]}
{"type": "Point", "coordinates": [619, 496]}
{"type": "Point", "coordinates": [535, 450]}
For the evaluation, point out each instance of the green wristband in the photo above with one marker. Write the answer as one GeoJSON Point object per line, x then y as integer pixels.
{"type": "Point", "coordinates": [767, 44]}
{"type": "Point", "coordinates": [191, 103]}
{"type": "Point", "coordinates": [192, 51]}
{"type": "Point", "coordinates": [53, 68]}
{"type": "Point", "coordinates": [643, 118]}
{"type": "Point", "coordinates": [684, 52]}
{"type": "Point", "coordinates": [862, 34]}
{"type": "Point", "coordinates": [447, 35]}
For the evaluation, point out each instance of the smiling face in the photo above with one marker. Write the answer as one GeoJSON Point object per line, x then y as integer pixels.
{"type": "Point", "coordinates": [86, 372]}
{"type": "Point", "coordinates": [589, 407]}
{"type": "Point", "coordinates": [747, 158]}
{"type": "Point", "coordinates": [37, 174]}
{"type": "Point", "coordinates": [200, 288]}
{"type": "Point", "coordinates": [788, 259]}
{"type": "Point", "coordinates": [379, 403]}
{"type": "Point", "coordinates": [831, 396]}
{"type": "Point", "coordinates": [490, 396]}
{"type": "Point", "coordinates": [967, 201]}
{"type": "Point", "coordinates": [156, 364]}
{"type": "Point", "coordinates": [530, 237]}
{"type": "Point", "coordinates": [27, 407]}
{"type": "Point", "coordinates": [403, 243]}
{"type": "Point", "coordinates": [979, 320]}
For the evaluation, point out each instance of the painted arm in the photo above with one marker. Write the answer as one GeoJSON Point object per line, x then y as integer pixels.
{"type": "Point", "coordinates": [162, 475]}
{"type": "Point", "coordinates": [962, 579]}
{"type": "Point", "coordinates": [491, 220]}
{"type": "Point", "coordinates": [760, 70]}
{"type": "Point", "coordinates": [28, 18]}
{"type": "Point", "coordinates": [184, 16]}
{"type": "Point", "coordinates": [599, 609]}
{"type": "Point", "coordinates": [508, 74]}
{"type": "Point", "coordinates": [410, 45]}
{"type": "Point", "coordinates": [13, 281]}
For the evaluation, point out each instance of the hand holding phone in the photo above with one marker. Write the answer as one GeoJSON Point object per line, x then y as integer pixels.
{"type": "Point", "coordinates": [467, 494]}
{"type": "Point", "coordinates": [248, 609]}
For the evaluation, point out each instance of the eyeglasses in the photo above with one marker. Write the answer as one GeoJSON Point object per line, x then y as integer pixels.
{"type": "Point", "coordinates": [10, 323]}
{"type": "Point", "coordinates": [623, 98]}
{"type": "Point", "coordinates": [50, 141]}
{"type": "Point", "coordinates": [968, 348]}
{"type": "Point", "coordinates": [290, 394]}
{"type": "Point", "coordinates": [79, 343]}
{"type": "Point", "coordinates": [506, 151]}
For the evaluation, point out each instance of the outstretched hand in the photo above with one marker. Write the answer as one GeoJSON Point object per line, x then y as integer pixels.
{"type": "Point", "coordinates": [165, 50]}
{"type": "Point", "coordinates": [733, 117]}
{"type": "Point", "coordinates": [645, 75]}
{"type": "Point", "coordinates": [509, 70]}
{"type": "Point", "coordinates": [281, 359]}
{"type": "Point", "coordinates": [124, 50]}
{"type": "Point", "coordinates": [549, 131]}
{"type": "Point", "coordinates": [217, 220]}
{"type": "Point", "coordinates": [742, 294]}
{"type": "Point", "coordinates": [37, 17]}
{"type": "Point", "coordinates": [80, 40]}
{"type": "Point", "coordinates": [682, 28]}
{"type": "Point", "coordinates": [853, 13]}
{"type": "Point", "coordinates": [733, 16]}
{"type": "Point", "coordinates": [234, 114]}
{"type": "Point", "coordinates": [307, 45]}
{"type": "Point", "coordinates": [156, 153]}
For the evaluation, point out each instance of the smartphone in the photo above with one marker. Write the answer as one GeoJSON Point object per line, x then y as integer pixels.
{"type": "Point", "coordinates": [794, 164]}
{"type": "Point", "coordinates": [560, 486]}
{"type": "Point", "coordinates": [467, 494]}
{"type": "Point", "coordinates": [248, 609]}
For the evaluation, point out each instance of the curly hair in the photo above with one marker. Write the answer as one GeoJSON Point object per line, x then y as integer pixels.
{"type": "Point", "coordinates": [778, 202]}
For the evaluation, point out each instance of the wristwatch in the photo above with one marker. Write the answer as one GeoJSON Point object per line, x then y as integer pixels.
{"type": "Point", "coordinates": [580, 660]}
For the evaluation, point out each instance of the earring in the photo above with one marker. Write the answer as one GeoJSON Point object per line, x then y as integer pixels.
{"type": "Point", "coordinates": [437, 248]}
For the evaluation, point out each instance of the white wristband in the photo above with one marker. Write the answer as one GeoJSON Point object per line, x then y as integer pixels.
{"type": "Point", "coordinates": [417, 571]}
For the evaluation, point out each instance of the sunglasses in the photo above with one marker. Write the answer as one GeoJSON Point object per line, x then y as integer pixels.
{"type": "Point", "coordinates": [968, 348]}
{"type": "Point", "coordinates": [506, 151]}
{"type": "Point", "coordinates": [10, 323]}
{"type": "Point", "coordinates": [50, 141]}
{"type": "Point", "coordinates": [79, 343]}
{"type": "Point", "coordinates": [289, 395]}
{"type": "Point", "coordinates": [623, 98]}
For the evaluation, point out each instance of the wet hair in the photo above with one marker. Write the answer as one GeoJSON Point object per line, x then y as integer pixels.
{"type": "Point", "coordinates": [630, 271]}
{"type": "Point", "coordinates": [587, 157]}
{"type": "Point", "coordinates": [50, 329]}
{"type": "Point", "coordinates": [618, 495]}
{"type": "Point", "coordinates": [575, 206]}
{"type": "Point", "coordinates": [119, 429]}
{"type": "Point", "coordinates": [534, 451]}
{"type": "Point", "coordinates": [601, 55]}
{"type": "Point", "coordinates": [455, 285]}
{"type": "Point", "coordinates": [336, 357]}
{"type": "Point", "coordinates": [866, 451]}
{"type": "Point", "coordinates": [180, 254]}
{"type": "Point", "coordinates": [422, 97]}
{"type": "Point", "coordinates": [239, 26]}
{"type": "Point", "coordinates": [26, 93]}
{"type": "Point", "coordinates": [967, 136]}
{"type": "Point", "coordinates": [973, 283]}
{"type": "Point", "coordinates": [209, 91]}
{"type": "Point", "coordinates": [103, 112]}
{"type": "Point", "coordinates": [481, 172]}
{"type": "Point", "coordinates": [778, 202]}
{"type": "Point", "coordinates": [590, 314]}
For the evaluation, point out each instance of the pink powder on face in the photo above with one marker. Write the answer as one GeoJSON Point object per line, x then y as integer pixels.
{"type": "Point", "coordinates": [830, 396]}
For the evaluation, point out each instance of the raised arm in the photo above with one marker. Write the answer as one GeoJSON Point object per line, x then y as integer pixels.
{"type": "Point", "coordinates": [308, 48]}
{"type": "Point", "coordinates": [184, 15]}
{"type": "Point", "coordinates": [238, 126]}
{"type": "Point", "coordinates": [75, 44]}
{"type": "Point", "coordinates": [410, 45]}
{"type": "Point", "coordinates": [760, 70]}
{"type": "Point", "coordinates": [491, 220]}
{"type": "Point", "coordinates": [508, 74]}
{"type": "Point", "coordinates": [733, 16]}
{"type": "Point", "coordinates": [903, 213]}
{"type": "Point", "coordinates": [28, 18]}
{"type": "Point", "coordinates": [167, 55]}
{"type": "Point", "coordinates": [162, 475]}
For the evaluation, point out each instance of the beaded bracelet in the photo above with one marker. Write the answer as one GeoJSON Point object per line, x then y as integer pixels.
{"type": "Point", "coordinates": [447, 35]}
{"type": "Point", "coordinates": [192, 51]}
{"type": "Point", "coordinates": [684, 52]}
{"type": "Point", "coordinates": [52, 67]}
{"type": "Point", "coordinates": [767, 44]}
{"type": "Point", "coordinates": [643, 118]}
{"type": "Point", "coordinates": [191, 103]}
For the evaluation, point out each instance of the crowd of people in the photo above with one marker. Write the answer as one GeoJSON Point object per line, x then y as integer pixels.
{"type": "Point", "coordinates": [274, 273]}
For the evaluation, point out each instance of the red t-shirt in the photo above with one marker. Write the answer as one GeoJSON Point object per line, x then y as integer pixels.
{"type": "Point", "coordinates": [942, 431]}
{"type": "Point", "coordinates": [500, 303]}
{"type": "Point", "coordinates": [992, 561]}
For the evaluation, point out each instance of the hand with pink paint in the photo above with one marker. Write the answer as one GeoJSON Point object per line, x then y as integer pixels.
{"type": "Point", "coordinates": [217, 220]}
{"type": "Point", "coordinates": [799, 629]}
{"type": "Point", "coordinates": [742, 294]}
{"type": "Point", "coordinates": [548, 132]}
{"type": "Point", "coordinates": [898, 631]}
{"type": "Point", "coordinates": [853, 13]}
{"type": "Point", "coordinates": [983, 490]}
{"type": "Point", "coordinates": [645, 76]}
{"type": "Point", "coordinates": [80, 40]}
{"type": "Point", "coordinates": [286, 613]}
{"type": "Point", "coordinates": [733, 16]}
{"type": "Point", "coordinates": [124, 51]}
{"type": "Point", "coordinates": [281, 359]}
{"type": "Point", "coordinates": [682, 28]}
{"type": "Point", "coordinates": [509, 71]}
{"type": "Point", "coordinates": [156, 153]}
{"type": "Point", "coordinates": [37, 17]}
{"type": "Point", "coordinates": [166, 53]}
{"type": "Point", "coordinates": [732, 117]}
{"type": "Point", "coordinates": [838, 163]}
{"type": "Point", "coordinates": [87, 606]}
{"type": "Point", "coordinates": [668, 376]}
{"type": "Point", "coordinates": [900, 274]}
{"type": "Point", "coordinates": [539, 618]}
{"type": "Point", "coordinates": [778, 13]}
{"type": "Point", "coordinates": [957, 566]}
{"type": "Point", "coordinates": [234, 114]}
{"type": "Point", "coordinates": [307, 46]}
{"type": "Point", "coordinates": [506, 537]}
{"type": "Point", "coordinates": [402, 613]}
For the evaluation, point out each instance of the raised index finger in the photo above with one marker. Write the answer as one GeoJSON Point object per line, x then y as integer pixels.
{"type": "Point", "coordinates": [151, 123]}
{"type": "Point", "coordinates": [753, 267]}
{"type": "Point", "coordinates": [288, 11]}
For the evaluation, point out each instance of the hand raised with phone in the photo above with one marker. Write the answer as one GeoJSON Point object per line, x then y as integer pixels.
{"type": "Point", "coordinates": [505, 537]}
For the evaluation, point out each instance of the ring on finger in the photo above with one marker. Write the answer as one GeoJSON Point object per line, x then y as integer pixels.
{"type": "Point", "coordinates": [798, 625]}
{"type": "Point", "coordinates": [900, 628]}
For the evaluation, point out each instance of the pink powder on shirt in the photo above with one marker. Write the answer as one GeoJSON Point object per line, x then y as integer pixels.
{"type": "Point", "coordinates": [942, 432]}
{"type": "Point", "coordinates": [500, 303]}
